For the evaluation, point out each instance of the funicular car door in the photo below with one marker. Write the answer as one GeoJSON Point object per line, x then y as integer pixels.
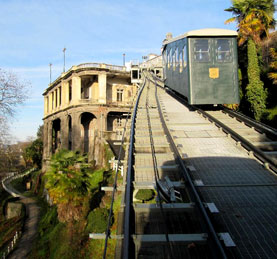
{"type": "Point", "coordinates": [212, 70]}
{"type": "Point", "coordinates": [225, 63]}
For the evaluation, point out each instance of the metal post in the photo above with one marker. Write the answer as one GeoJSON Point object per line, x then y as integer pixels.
{"type": "Point", "coordinates": [50, 65]}
{"type": "Point", "coordinates": [124, 59]}
{"type": "Point", "coordinates": [64, 49]}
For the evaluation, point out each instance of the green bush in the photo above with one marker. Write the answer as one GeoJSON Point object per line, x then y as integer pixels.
{"type": "Point", "coordinates": [145, 195]}
{"type": "Point", "coordinates": [97, 220]}
{"type": "Point", "coordinates": [49, 220]}
{"type": "Point", "coordinates": [255, 92]}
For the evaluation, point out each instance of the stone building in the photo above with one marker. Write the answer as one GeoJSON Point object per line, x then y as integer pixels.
{"type": "Point", "coordinates": [85, 106]}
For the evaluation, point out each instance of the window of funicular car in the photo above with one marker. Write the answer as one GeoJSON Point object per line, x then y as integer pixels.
{"type": "Point", "coordinates": [223, 50]}
{"type": "Point", "coordinates": [165, 56]}
{"type": "Point", "coordinates": [177, 57]}
{"type": "Point", "coordinates": [185, 56]}
{"type": "Point", "coordinates": [169, 58]}
{"type": "Point", "coordinates": [201, 50]}
{"type": "Point", "coordinates": [181, 60]}
{"type": "Point", "coordinates": [174, 58]}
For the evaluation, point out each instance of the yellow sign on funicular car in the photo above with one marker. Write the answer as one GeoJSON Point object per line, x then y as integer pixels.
{"type": "Point", "coordinates": [214, 72]}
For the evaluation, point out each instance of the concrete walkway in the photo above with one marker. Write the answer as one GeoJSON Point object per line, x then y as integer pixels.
{"type": "Point", "coordinates": [24, 245]}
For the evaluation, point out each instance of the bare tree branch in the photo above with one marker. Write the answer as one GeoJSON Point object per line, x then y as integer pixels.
{"type": "Point", "coordinates": [13, 92]}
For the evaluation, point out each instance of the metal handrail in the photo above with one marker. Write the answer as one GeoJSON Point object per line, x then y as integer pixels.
{"type": "Point", "coordinates": [115, 185]}
{"type": "Point", "coordinates": [128, 194]}
{"type": "Point", "coordinates": [102, 65]}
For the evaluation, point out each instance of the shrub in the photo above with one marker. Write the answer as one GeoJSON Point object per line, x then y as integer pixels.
{"type": "Point", "coordinates": [255, 92]}
{"type": "Point", "coordinates": [68, 184]}
{"type": "Point", "coordinates": [145, 195]}
{"type": "Point", "coordinates": [97, 220]}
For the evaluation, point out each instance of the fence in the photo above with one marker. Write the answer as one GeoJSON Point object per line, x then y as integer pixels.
{"type": "Point", "coordinates": [5, 183]}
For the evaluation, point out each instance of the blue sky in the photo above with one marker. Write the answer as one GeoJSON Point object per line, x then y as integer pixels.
{"type": "Point", "coordinates": [34, 32]}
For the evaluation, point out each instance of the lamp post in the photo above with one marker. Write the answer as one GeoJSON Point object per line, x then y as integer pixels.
{"type": "Point", "coordinates": [64, 49]}
{"type": "Point", "coordinates": [124, 59]}
{"type": "Point", "coordinates": [50, 66]}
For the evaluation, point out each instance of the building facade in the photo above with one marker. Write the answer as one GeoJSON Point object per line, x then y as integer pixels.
{"type": "Point", "coordinates": [85, 106]}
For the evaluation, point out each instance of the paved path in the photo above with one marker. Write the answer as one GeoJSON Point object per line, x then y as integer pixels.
{"type": "Point", "coordinates": [23, 248]}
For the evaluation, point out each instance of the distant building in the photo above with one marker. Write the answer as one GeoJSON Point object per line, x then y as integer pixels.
{"type": "Point", "coordinates": [152, 63]}
{"type": "Point", "coordinates": [85, 106]}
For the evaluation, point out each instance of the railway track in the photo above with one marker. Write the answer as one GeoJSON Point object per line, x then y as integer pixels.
{"type": "Point", "coordinates": [258, 138]}
{"type": "Point", "coordinates": [176, 224]}
{"type": "Point", "coordinates": [233, 161]}
{"type": "Point", "coordinates": [259, 135]}
{"type": "Point", "coordinates": [206, 187]}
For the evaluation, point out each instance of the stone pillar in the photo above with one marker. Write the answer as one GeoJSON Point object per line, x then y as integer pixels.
{"type": "Point", "coordinates": [102, 80]}
{"type": "Point", "coordinates": [50, 130]}
{"type": "Point", "coordinates": [55, 98]}
{"type": "Point", "coordinates": [64, 133]}
{"type": "Point", "coordinates": [76, 89]}
{"type": "Point", "coordinates": [58, 96]}
{"type": "Point", "coordinates": [50, 101]}
{"type": "Point", "coordinates": [45, 104]}
{"type": "Point", "coordinates": [65, 93]}
{"type": "Point", "coordinates": [45, 139]}
{"type": "Point", "coordinates": [102, 123]}
{"type": "Point", "coordinates": [76, 132]}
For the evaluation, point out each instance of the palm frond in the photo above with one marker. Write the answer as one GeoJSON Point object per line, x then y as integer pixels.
{"type": "Point", "coordinates": [230, 20]}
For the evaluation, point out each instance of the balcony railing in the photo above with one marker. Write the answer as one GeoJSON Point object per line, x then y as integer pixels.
{"type": "Point", "coordinates": [102, 65]}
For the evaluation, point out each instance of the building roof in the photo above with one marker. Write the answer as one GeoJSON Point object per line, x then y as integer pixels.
{"type": "Point", "coordinates": [203, 32]}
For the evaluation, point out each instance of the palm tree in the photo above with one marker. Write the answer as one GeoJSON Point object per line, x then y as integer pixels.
{"type": "Point", "coordinates": [254, 18]}
{"type": "Point", "coordinates": [68, 183]}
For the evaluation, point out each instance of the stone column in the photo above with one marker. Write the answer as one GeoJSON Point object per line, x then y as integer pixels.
{"type": "Point", "coordinates": [76, 132]}
{"type": "Point", "coordinates": [76, 89]}
{"type": "Point", "coordinates": [65, 93]}
{"type": "Point", "coordinates": [45, 104]}
{"type": "Point", "coordinates": [57, 96]}
{"type": "Point", "coordinates": [50, 101]}
{"type": "Point", "coordinates": [45, 139]}
{"type": "Point", "coordinates": [64, 133]}
{"type": "Point", "coordinates": [102, 82]}
{"type": "Point", "coordinates": [49, 146]}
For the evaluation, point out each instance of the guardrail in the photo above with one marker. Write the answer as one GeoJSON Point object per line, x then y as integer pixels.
{"type": "Point", "coordinates": [129, 179]}
{"type": "Point", "coordinates": [12, 244]}
{"type": "Point", "coordinates": [102, 65]}
{"type": "Point", "coordinates": [5, 181]}
{"type": "Point", "coordinates": [12, 177]}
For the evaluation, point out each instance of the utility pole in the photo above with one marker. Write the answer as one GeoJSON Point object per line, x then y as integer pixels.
{"type": "Point", "coordinates": [64, 49]}
{"type": "Point", "coordinates": [124, 59]}
{"type": "Point", "coordinates": [50, 65]}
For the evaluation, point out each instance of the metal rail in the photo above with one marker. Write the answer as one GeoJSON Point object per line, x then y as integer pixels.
{"type": "Point", "coordinates": [156, 174]}
{"type": "Point", "coordinates": [270, 131]}
{"type": "Point", "coordinates": [129, 178]}
{"type": "Point", "coordinates": [199, 203]}
{"type": "Point", "coordinates": [245, 143]}
{"type": "Point", "coordinates": [107, 233]}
